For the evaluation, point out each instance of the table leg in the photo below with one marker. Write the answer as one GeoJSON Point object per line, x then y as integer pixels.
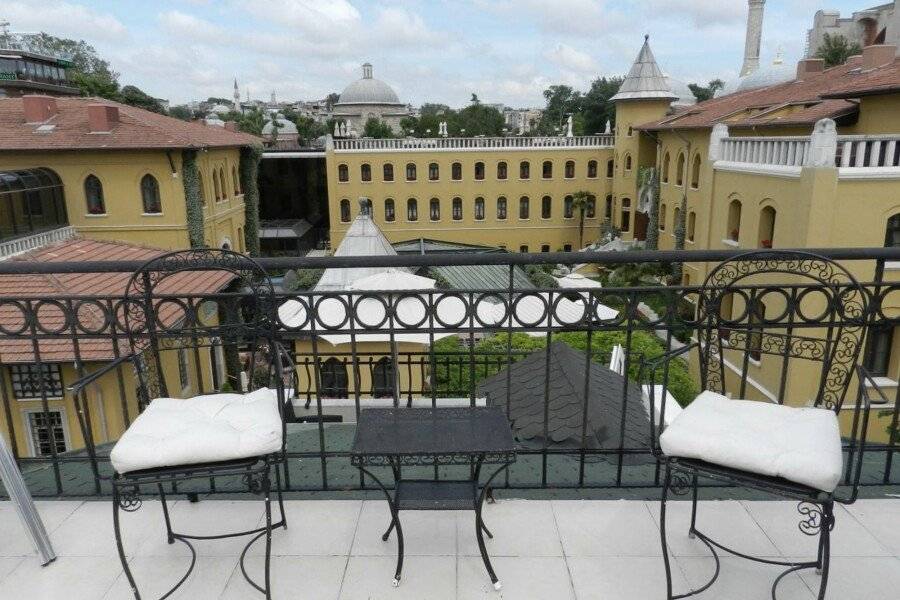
{"type": "Point", "coordinates": [395, 522]}
{"type": "Point", "coordinates": [479, 526]}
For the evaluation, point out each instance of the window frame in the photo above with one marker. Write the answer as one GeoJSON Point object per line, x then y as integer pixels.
{"type": "Point", "coordinates": [88, 198]}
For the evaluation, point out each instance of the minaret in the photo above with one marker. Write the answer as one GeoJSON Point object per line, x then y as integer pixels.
{"type": "Point", "coordinates": [367, 71]}
{"type": "Point", "coordinates": [754, 36]}
{"type": "Point", "coordinates": [236, 96]}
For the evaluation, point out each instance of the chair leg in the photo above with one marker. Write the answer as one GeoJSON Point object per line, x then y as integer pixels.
{"type": "Point", "coordinates": [162, 499]}
{"type": "Point", "coordinates": [267, 489]}
{"type": "Point", "coordinates": [692, 532]}
{"type": "Point", "coordinates": [667, 479]}
{"type": "Point", "coordinates": [278, 491]}
{"type": "Point", "coordinates": [118, 534]}
{"type": "Point", "coordinates": [824, 558]}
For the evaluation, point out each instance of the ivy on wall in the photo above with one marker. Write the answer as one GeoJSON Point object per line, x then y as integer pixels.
{"type": "Point", "coordinates": [649, 177]}
{"type": "Point", "coordinates": [190, 176]}
{"type": "Point", "coordinates": [250, 157]}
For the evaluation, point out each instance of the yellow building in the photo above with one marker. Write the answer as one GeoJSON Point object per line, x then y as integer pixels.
{"type": "Point", "coordinates": [514, 193]}
{"type": "Point", "coordinates": [126, 174]}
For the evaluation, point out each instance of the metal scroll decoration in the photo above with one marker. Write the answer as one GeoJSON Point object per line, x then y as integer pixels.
{"type": "Point", "coordinates": [813, 519]}
{"type": "Point", "coordinates": [130, 499]}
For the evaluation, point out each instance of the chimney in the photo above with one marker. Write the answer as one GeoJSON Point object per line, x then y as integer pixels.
{"type": "Point", "coordinates": [38, 109]}
{"type": "Point", "coordinates": [808, 66]}
{"type": "Point", "coordinates": [231, 126]}
{"type": "Point", "coordinates": [102, 117]}
{"type": "Point", "coordinates": [878, 56]}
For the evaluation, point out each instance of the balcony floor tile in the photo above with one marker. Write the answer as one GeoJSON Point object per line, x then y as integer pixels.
{"type": "Point", "coordinates": [505, 520]}
{"type": "Point", "coordinates": [874, 515]}
{"type": "Point", "coordinates": [606, 528]}
{"type": "Point", "coordinates": [522, 577]}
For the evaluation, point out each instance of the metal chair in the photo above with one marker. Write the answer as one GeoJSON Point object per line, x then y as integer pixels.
{"type": "Point", "coordinates": [165, 332]}
{"type": "Point", "coordinates": [787, 306]}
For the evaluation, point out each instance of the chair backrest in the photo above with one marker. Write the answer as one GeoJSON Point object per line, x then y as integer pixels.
{"type": "Point", "coordinates": [793, 305]}
{"type": "Point", "coordinates": [191, 314]}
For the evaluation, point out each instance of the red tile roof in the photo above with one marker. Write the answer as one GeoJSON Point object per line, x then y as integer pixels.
{"type": "Point", "coordinates": [19, 348]}
{"type": "Point", "coordinates": [137, 129]}
{"type": "Point", "coordinates": [816, 96]}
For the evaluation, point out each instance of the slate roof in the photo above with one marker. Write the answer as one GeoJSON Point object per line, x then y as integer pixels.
{"type": "Point", "coordinates": [800, 102]}
{"type": "Point", "coordinates": [19, 349]}
{"type": "Point", "coordinates": [645, 80]}
{"type": "Point", "coordinates": [567, 374]}
{"type": "Point", "coordinates": [137, 129]}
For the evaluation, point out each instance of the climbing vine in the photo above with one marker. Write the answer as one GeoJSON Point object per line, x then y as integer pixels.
{"type": "Point", "coordinates": [647, 177]}
{"type": "Point", "coordinates": [190, 176]}
{"type": "Point", "coordinates": [250, 157]}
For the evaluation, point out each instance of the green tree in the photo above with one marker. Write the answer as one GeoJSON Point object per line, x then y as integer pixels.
{"type": "Point", "coordinates": [596, 107]}
{"type": "Point", "coordinates": [331, 99]}
{"type": "Point", "coordinates": [181, 112]}
{"type": "Point", "coordinates": [376, 128]}
{"type": "Point", "coordinates": [477, 119]}
{"type": "Point", "coordinates": [134, 96]}
{"type": "Point", "coordinates": [252, 121]}
{"type": "Point", "coordinates": [580, 201]}
{"type": "Point", "coordinates": [836, 49]}
{"type": "Point", "coordinates": [705, 93]}
{"type": "Point", "coordinates": [95, 85]}
{"type": "Point", "coordinates": [562, 101]}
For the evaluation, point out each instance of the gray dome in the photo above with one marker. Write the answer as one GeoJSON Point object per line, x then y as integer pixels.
{"type": "Point", "coordinates": [679, 88]}
{"type": "Point", "coordinates": [221, 109]}
{"type": "Point", "coordinates": [368, 90]}
{"type": "Point", "coordinates": [285, 127]}
{"type": "Point", "coordinates": [770, 75]}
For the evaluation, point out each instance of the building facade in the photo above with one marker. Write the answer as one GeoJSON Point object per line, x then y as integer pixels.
{"type": "Point", "coordinates": [368, 98]}
{"type": "Point", "coordinates": [876, 25]}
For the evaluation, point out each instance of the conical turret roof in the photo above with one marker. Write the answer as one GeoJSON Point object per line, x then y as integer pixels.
{"type": "Point", "coordinates": [645, 80]}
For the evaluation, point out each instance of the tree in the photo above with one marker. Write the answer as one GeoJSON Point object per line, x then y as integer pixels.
{"type": "Point", "coordinates": [836, 49]}
{"type": "Point", "coordinates": [252, 121]}
{"type": "Point", "coordinates": [580, 201]}
{"type": "Point", "coordinates": [134, 96]}
{"type": "Point", "coordinates": [474, 99]}
{"type": "Point", "coordinates": [376, 128]}
{"type": "Point", "coordinates": [477, 119]}
{"type": "Point", "coordinates": [214, 100]}
{"type": "Point", "coordinates": [562, 101]}
{"type": "Point", "coordinates": [705, 93]}
{"type": "Point", "coordinates": [596, 108]}
{"type": "Point", "coordinates": [181, 112]}
{"type": "Point", "coordinates": [331, 99]}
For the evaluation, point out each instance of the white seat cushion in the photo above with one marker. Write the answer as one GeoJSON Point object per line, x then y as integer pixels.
{"type": "Point", "coordinates": [172, 432]}
{"type": "Point", "coordinates": [802, 445]}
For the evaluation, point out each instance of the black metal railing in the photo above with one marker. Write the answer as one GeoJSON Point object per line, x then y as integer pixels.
{"type": "Point", "coordinates": [463, 338]}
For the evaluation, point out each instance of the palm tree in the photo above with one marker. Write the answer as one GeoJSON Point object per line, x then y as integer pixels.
{"type": "Point", "coordinates": [580, 201]}
{"type": "Point", "coordinates": [836, 49]}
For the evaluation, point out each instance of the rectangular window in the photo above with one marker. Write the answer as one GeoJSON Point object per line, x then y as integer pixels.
{"type": "Point", "coordinates": [501, 170]}
{"type": "Point", "coordinates": [26, 380]}
{"type": "Point", "coordinates": [878, 351]}
{"type": "Point", "coordinates": [388, 172]}
{"type": "Point", "coordinates": [524, 170]}
{"type": "Point", "coordinates": [47, 433]}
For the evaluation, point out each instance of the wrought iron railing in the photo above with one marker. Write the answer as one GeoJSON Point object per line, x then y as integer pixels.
{"type": "Point", "coordinates": [464, 337]}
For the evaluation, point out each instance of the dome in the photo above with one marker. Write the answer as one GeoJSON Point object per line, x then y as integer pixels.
{"type": "Point", "coordinates": [221, 109]}
{"type": "Point", "coordinates": [285, 127]}
{"type": "Point", "coordinates": [368, 90]}
{"type": "Point", "coordinates": [213, 119]}
{"type": "Point", "coordinates": [679, 88]}
{"type": "Point", "coordinates": [774, 74]}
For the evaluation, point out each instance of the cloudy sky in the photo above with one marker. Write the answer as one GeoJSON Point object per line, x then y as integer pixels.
{"type": "Point", "coordinates": [428, 50]}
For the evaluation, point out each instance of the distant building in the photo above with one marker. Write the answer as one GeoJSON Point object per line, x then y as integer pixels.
{"type": "Point", "coordinates": [876, 25]}
{"type": "Point", "coordinates": [521, 120]}
{"type": "Point", "coordinates": [369, 98]}
{"type": "Point", "coordinates": [23, 72]}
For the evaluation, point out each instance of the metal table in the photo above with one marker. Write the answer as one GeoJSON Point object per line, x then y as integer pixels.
{"type": "Point", "coordinates": [399, 437]}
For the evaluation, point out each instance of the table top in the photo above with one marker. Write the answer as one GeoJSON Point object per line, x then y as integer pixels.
{"type": "Point", "coordinates": [432, 436]}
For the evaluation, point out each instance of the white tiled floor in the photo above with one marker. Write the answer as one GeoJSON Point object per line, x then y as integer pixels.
{"type": "Point", "coordinates": [547, 550]}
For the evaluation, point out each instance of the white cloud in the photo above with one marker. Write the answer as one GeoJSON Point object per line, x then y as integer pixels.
{"type": "Point", "coordinates": [62, 19]}
{"type": "Point", "coordinates": [567, 57]}
{"type": "Point", "coordinates": [703, 14]}
{"type": "Point", "coordinates": [191, 28]}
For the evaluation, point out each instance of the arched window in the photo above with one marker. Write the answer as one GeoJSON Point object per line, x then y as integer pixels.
{"type": "Point", "coordinates": [592, 169]}
{"type": "Point", "coordinates": [610, 168]}
{"type": "Point", "coordinates": [523, 249]}
{"type": "Point", "coordinates": [456, 171]}
{"type": "Point", "coordinates": [434, 209]}
{"type": "Point", "coordinates": [591, 207]}
{"type": "Point", "coordinates": [365, 172]}
{"type": "Point", "coordinates": [546, 207]}
{"type": "Point", "coordinates": [627, 162]}
{"type": "Point", "coordinates": [201, 185]}
{"type": "Point", "coordinates": [892, 232]}
{"type": "Point", "coordinates": [501, 208]}
{"type": "Point", "coordinates": [547, 169]}
{"type": "Point", "coordinates": [733, 232]}
{"type": "Point", "coordinates": [691, 225]}
{"type": "Point", "coordinates": [570, 169]}
{"type": "Point", "coordinates": [389, 214]}
{"type": "Point", "coordinates": [608, 214]}
{"type": "Point", "coordinates": [93, 195]}
{"type": "Point", "coordinates": [767, 227]}
{"type": "Point", "coordinates": [524, 170]}
{"type": "Point", "coordinates": [630, 131]}
{"type": "Point", "coordinates": [695, 172]}
{"type": "Point", "coordinates": [568, 207]}
{"type": "Point", "coordinates": [662, 217]}
{"type": "Point", "coordinates": [501, 170]}
{"type": "Point", "coordinates": [676, 214]}
{"type": "Point", "coordinates": [343, 173]}
{"type": "Point", "coordinates": [626, 214]}
{"type": "Point", "coordinates": [679, 173]}
{"type": "Point", "coordinates": [434, 172]}
{"type": "Point", "coordinates": [479, 209]}
{"type": "Point", "coordinates": [410, 171]}
{"type": "Point", "coordinates": [383, 378]}
{"type": "Point", "coordinates": [412, 210]}
{"type": "Point", "coordinates": [222, 183]}
{"type": "Point", "coordinates": [479, 171]}
{"type": "Point", "coordinates": [150, 195]}
{"type": "Point", "coordinates": [388, 172]}
{"type": "Point", "coordinates": [345, 211]}
{"type": "Point", "coordinates": [217, 191]}
{"type": "Point", "coordinates": [235, 180]}
{"type": "Point", "coordinates": [456, 209]}
{"type": "Point", "coordinates": [665, 168]}
{"type": "Point", "coordinates": [523, 207]}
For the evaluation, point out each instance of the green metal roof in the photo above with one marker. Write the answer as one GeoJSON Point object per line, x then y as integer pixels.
{"type": "Point", "coordinates": [480, 277]}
